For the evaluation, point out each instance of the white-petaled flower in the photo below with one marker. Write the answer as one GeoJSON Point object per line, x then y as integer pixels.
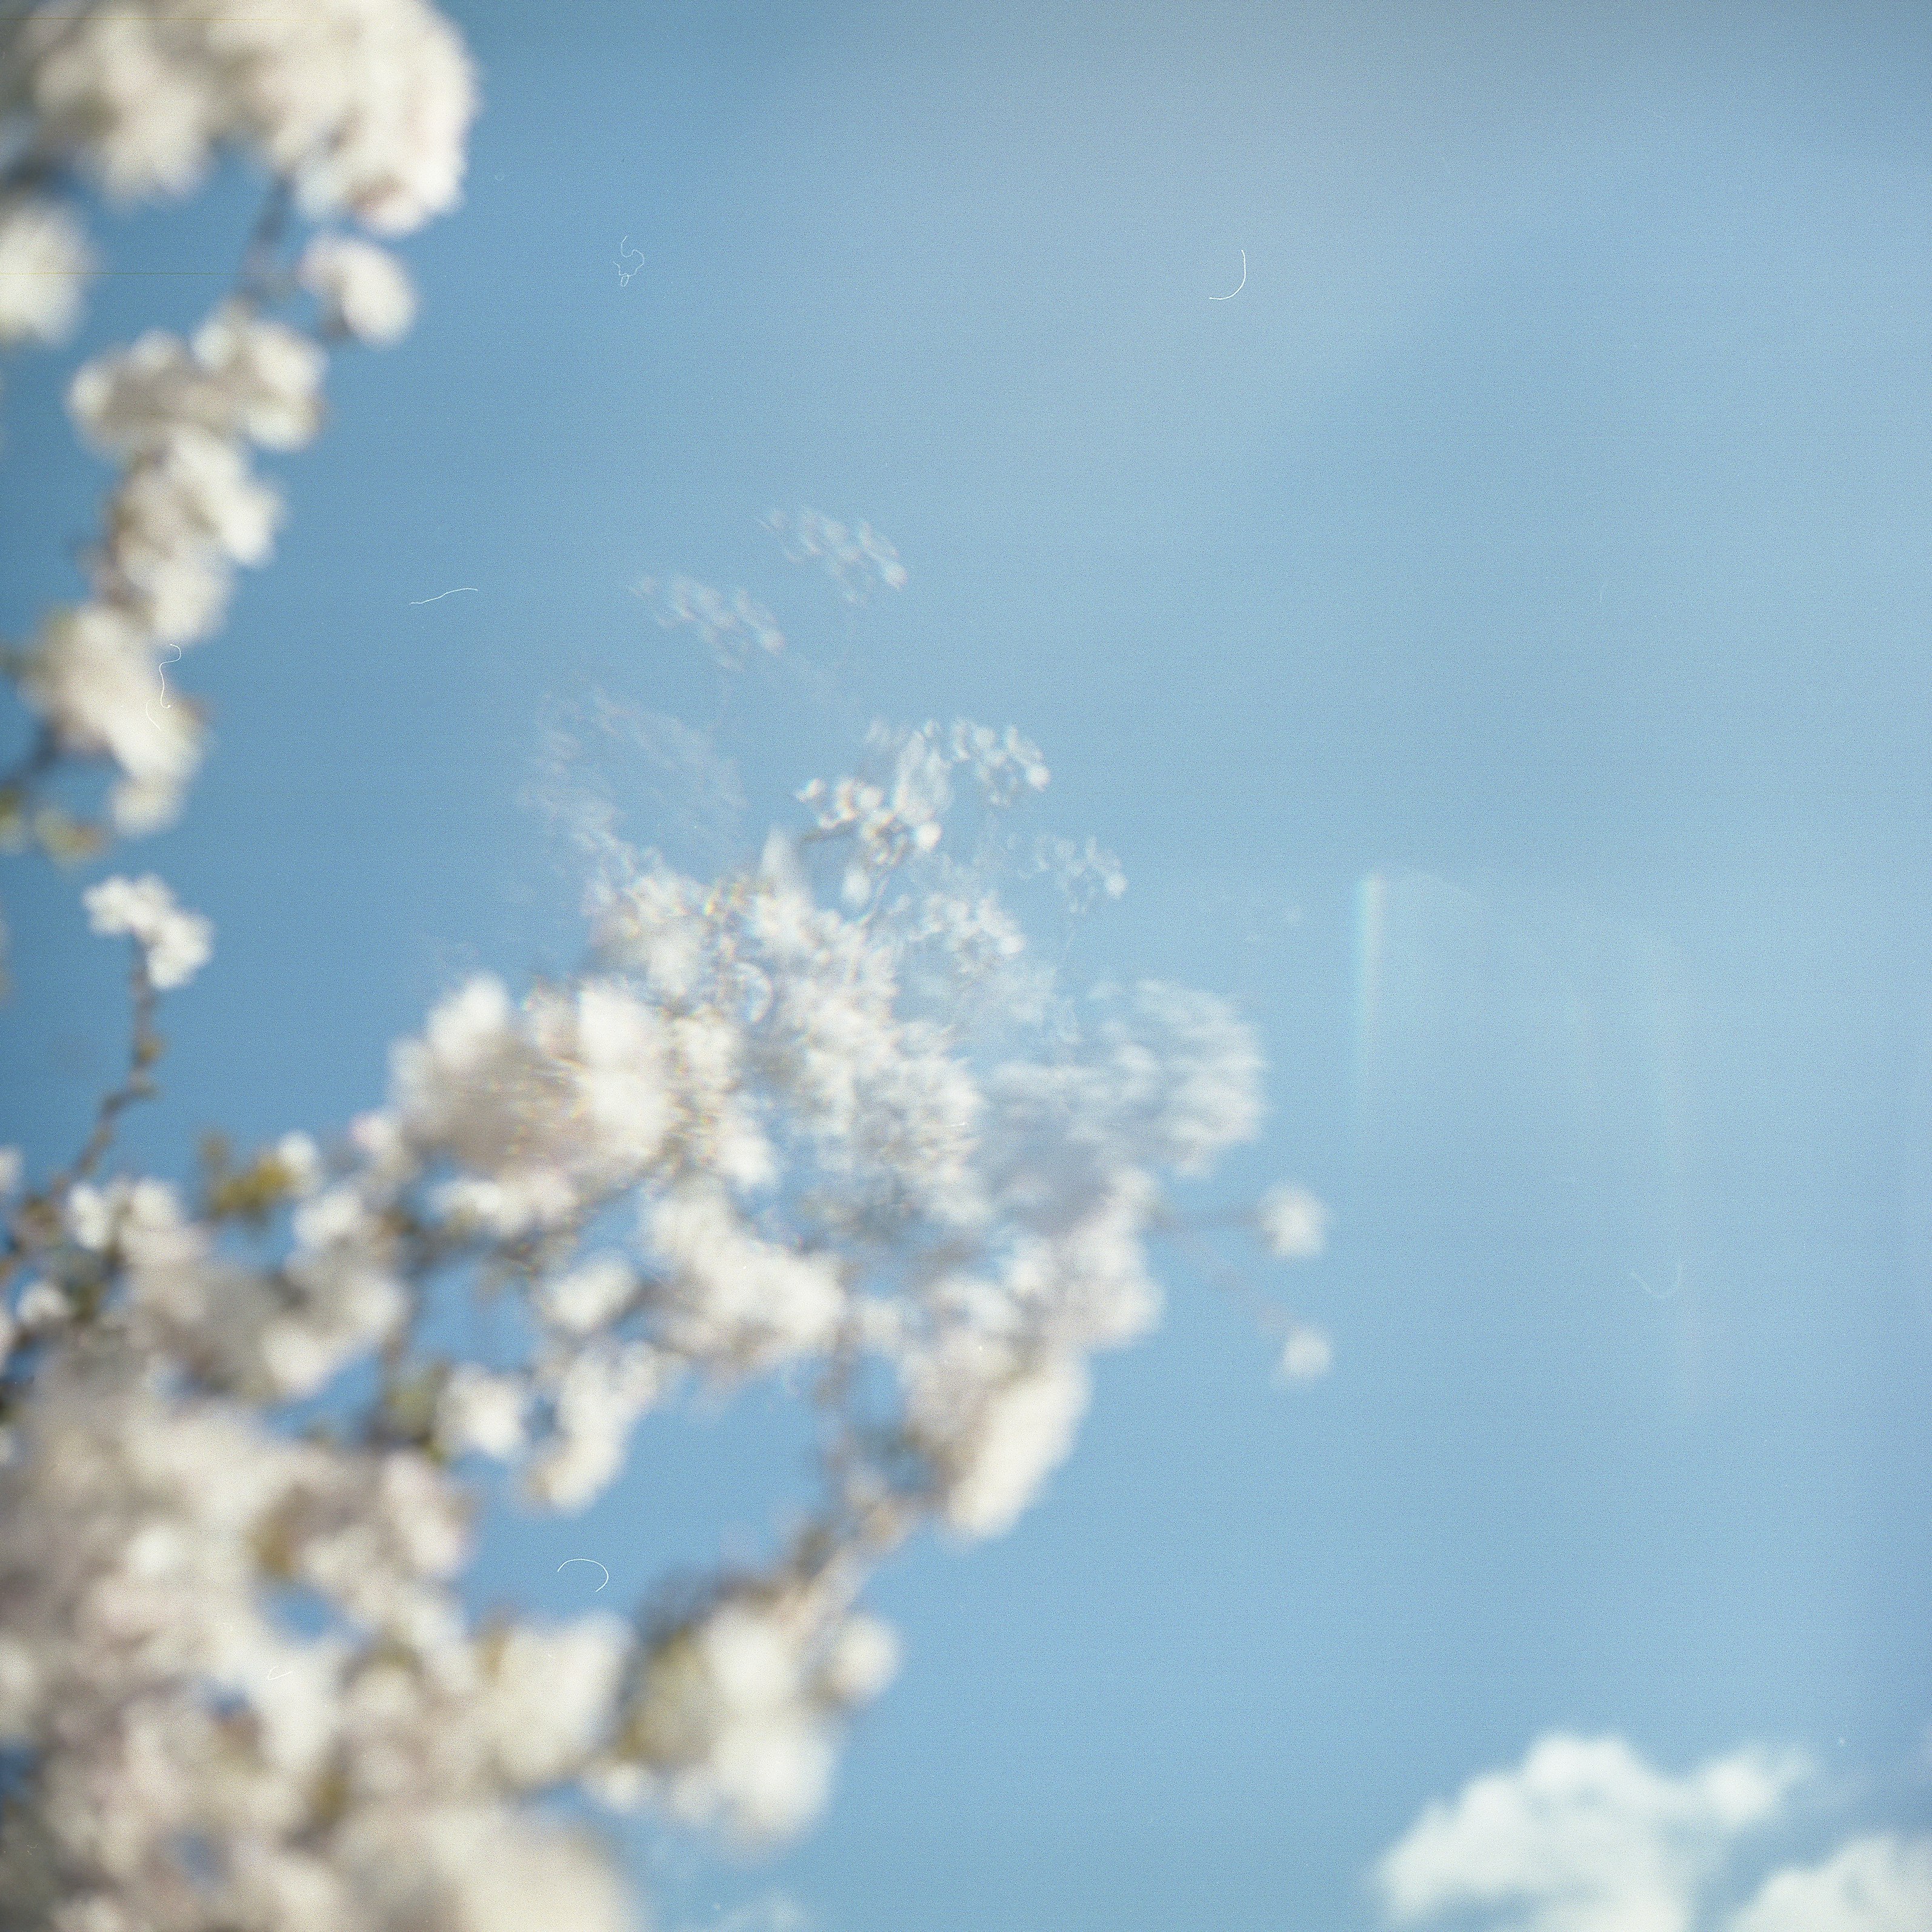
{"type": "Point", "coordinates": [730, 1299]}
{"type": "Point", "coordinates": [546, 1696]}
{"type": "Point", "coordinates": [588, 1297]}
{"type": "Point", "coordinates": [89, 1213]}
{"type": "Point", "coordinates": [1293, 1223]}
{"type": "Point", "coordinates": [485, 1412]}
{"type": "Point", "coordinates": [91, 676]}
{"type": "Point", "coordinates": [729, 1718]}
{"type": "Point", "coordinates": [272, 375]}
{"type": "Point", "coordinates": [864, 1659]}
{"type": "Point", "coordinates": [363, 290]}
{"type": "Point", "coordinates": [41, 1306]}
{"type": "Point", "coordinates": [995, 1431]}
{"type": "Point", "coordinates": [118, 87]}
{"type": "Point", "coordinates": [177, 943]}
{"type": "Point", "coordinates": [598, 1395]}
{"type": "Point", "coordinates": [300, 1160]}
{"type": "Point", "coordinates": [855, 560]}
{"type": "Point", "coordinates": [726, 624]}
{"type": "Point", "coordinates": [363, 105]}
{"type": "Point", "coordinates": [1306, 1356]}
{"type": "Point", "coordinates": [44, 264]}
{"type": "Point", "coordinates": [186, 510]}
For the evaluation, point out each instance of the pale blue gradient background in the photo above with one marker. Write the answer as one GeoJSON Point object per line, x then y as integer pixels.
{"type": "Point", "coordinates": [1496, 644]}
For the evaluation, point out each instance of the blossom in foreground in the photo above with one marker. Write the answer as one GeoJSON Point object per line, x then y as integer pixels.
{"type": "Point", "coordinates": [363, 290]}
{"type": "Point", "coordinates": [1294, 1224]}
{"type": "Point", "coordinates": [176, 943]}
{"type": "Point", "coordinates": [360, 110]}
{"type": "Point", "coordinates": [363, 104]}
{"type": "Point", "coordinates": [44, 263]}
{"type": "Point", "coordinates": [764, 1132]}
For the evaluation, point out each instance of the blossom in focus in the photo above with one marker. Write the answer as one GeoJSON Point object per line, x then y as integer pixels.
{"type": "Point", "coordinates": [177, 943]}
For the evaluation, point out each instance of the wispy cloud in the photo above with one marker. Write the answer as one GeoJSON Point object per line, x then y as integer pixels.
{"type": "Point", "coordinates": [1878, 1884]}
{"type": "Point", "coordinates": [1585, 1837]}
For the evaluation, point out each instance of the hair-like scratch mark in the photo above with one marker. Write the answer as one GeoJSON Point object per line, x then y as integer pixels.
{"type": "Point", "coordinates": [442, 594]}
{"type": "Point", "coordinates": [167, 703]}
{"type": "Point", "coordinates": [569, 1560]}
{"type": "Point", "coordinates": [1669, 1294]}
{"type": "Point", "coordinates": [624, 248]}
{"type": "Point", "coordinates": [1239, 286]}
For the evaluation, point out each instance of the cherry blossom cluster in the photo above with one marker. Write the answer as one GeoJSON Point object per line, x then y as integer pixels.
{"type": "Point", "coordinates": [822, 1117]}
{"type": "Point", "coordinates": [361, 105]}
{"type": "Point", "coordinates": [726, 624]}
{"type": "Point", "coordinates": [359, 109]}
{"type": "Point", "coordinates": [753, 1135]}
{"type": "Point", "coordinates": [858, 560]}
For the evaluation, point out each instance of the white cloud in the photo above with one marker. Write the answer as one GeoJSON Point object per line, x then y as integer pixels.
{"type": "Point", "coordinates": [1584, 1838]}
{"type": "Point", "coordinates": [1879, 1884]}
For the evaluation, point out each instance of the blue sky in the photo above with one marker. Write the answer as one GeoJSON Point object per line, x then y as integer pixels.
{"type": "Point", "coordinates": [1495, 643]}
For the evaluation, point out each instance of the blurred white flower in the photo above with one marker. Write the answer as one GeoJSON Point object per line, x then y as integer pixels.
{"type": "Point", "coordinates": [1293, 1223]}
{"type": "Point", "coordinates": [44, 264]}
{"type": "Point", "coordinates": [177, 943]}
{"type": "Point", "coordinates": [479, 1410]}
{"type": "Point", "coordinates": [363, 104]}
{"type": "Point", "coordinates": [726, 624]}
{"type": "Point", "coordinates": [300, 1163]}
{"type": "Point", "coordinates": [40, 1307]}
{"type": "Point", "coordinates": [864, 1659]}
{"type": "Point", "coordinates": [1306, 1356]}
{"type": "Point", "coordinates": [1583, 1836]}
{"type": "Point", "coordinates": [855, 560]}
{"type": "Point", "coordinates": [363, 290]}
{"type": "Point", "coordinates": [91, 676]}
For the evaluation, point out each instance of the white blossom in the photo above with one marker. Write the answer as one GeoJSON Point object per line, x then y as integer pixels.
{"type": "Point", "coordinates": [267, 376]}
{"type": "Point", "coordinates": [734, 1711]}
{"type": "Point", "coordinates": [40, 1305]}
{"type": "Point", "coordinates": [363, 104]}
{"type": "Point", "coordinates": [856, 559]}
{"type": "Point", "coordinates": [44, 264]}
{"type": "Point", "coordinates": [585, 1299]}
{"type": "Point", "coordinates": [864, 1658]}
{"type": "Point", "coordinates": [726, 623]}
{"type": "Point", "coordinates": [1306, 1356]}
{"type": "Point", "coordinates": [177, 943]}
{"type": "Point", "coordinates": [91, 676]}
{"type": "Point", "coordinates": [482, 1412]}
{"type": "Point", "coordinates": [300, 1163]}
{"type": "Point", "coordinates": [598, 1394]}
{"type": "Point", "coordinates": [1293, 1223]}
{"type": "Point", "coordinates": [1876, 1883]}
{"type": "Point", "coordinates": [363, 290]}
